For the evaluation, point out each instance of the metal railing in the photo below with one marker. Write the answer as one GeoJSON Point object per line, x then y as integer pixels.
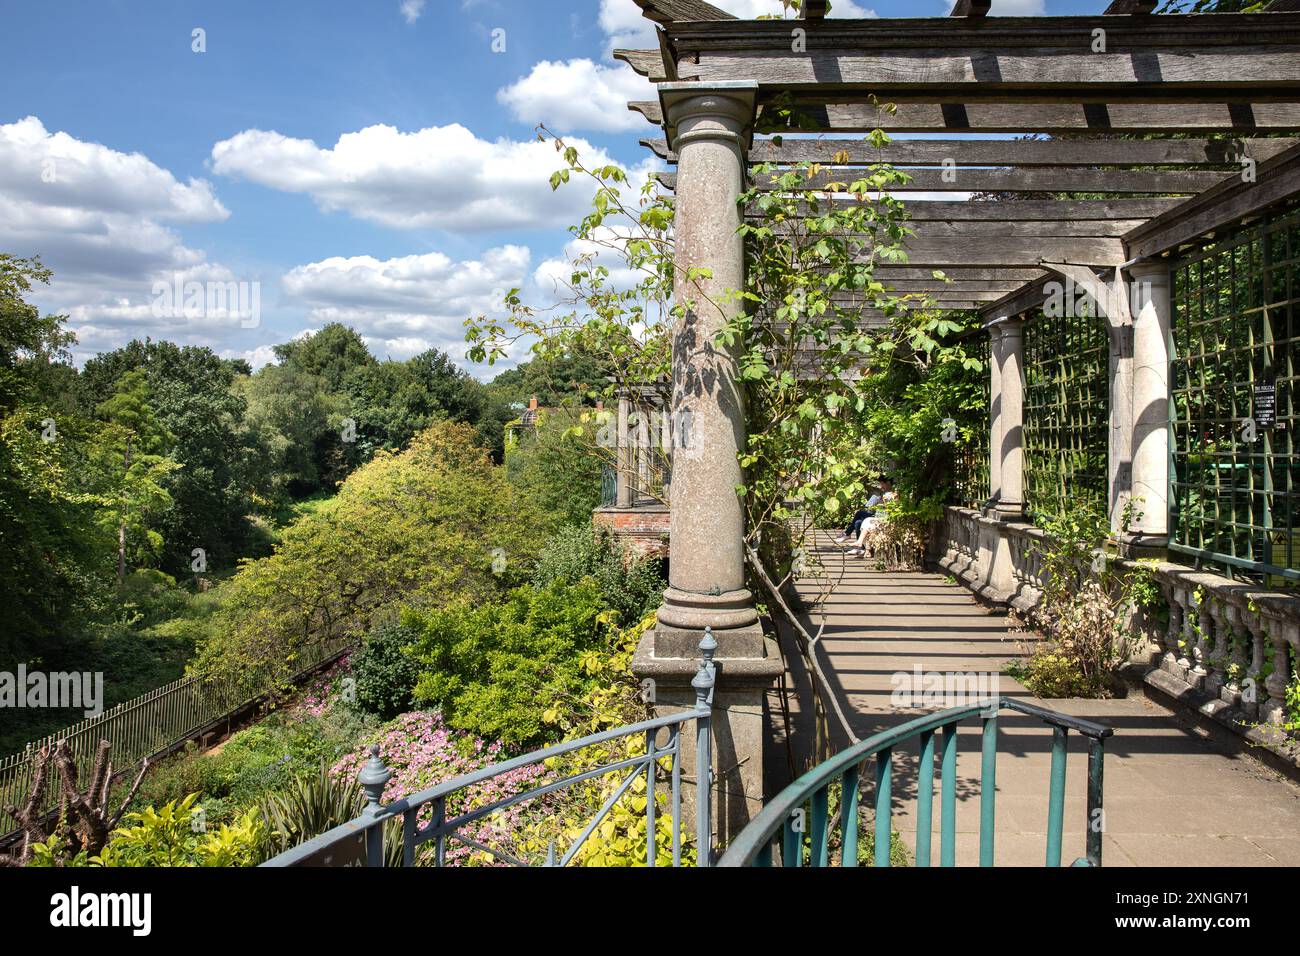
{"type": "Point", "coordinates": [784, 821]}
{"type": "Point", "coordinates": [153, 724]}
{"type": "Point", "coordinates": [362, 841]}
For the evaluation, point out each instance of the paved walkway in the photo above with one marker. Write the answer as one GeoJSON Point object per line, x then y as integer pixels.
{"type": "Point", "coordinates": [1172, 795]}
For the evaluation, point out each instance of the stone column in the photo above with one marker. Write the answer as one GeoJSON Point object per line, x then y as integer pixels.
{"type": "Point", "coordinates": [623, 469]}
{"type": "Point", "coordinates": [1011, 401]}
{"type": "Point", "coordinates": [1149, 447]}
{"type": "Point", "coordinates": [709, 127]}
{"type": "Point", "coordinates": [995, 416]}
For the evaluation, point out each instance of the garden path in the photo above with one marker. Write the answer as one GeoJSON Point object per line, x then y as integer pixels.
{"type": "Point", "coordinates": [1173, 795]}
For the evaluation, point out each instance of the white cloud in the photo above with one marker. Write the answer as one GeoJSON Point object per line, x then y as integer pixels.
{"type": "Point", "coordinates": [443, 177]}
{"type": "Point", "coordinates": [97, 217]}
{"type": "Point", "coordinates": [578, 94]}
{"type": "Point", "coordinates": [626, 27]}
{"type": "Point", "coordinates": [406, 305]}
{"type": "Point", "coordinates": [582, 95]}
{"type": "Point", "coordinates": [411, 10]}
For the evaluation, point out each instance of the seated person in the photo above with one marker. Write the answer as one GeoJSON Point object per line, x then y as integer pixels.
{"type": "Point", "coordinates": [872, 521]}
{"type": "Point", "coordinates": [855, 526]}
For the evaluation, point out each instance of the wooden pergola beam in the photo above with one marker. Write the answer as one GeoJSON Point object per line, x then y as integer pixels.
{"type": "Point", "coordinates": [1063, 118]}
{"type": "Point", "coordinates": [1012, 253]}
{"type": "Point", "coordinates": [1035, 210]}
{"type": "Point", "coordinates": [814, 9]}
{"type": "Point", "coordinates": [680, 11]}
{"type": "Point", "coordinates": [1140, 7]}
{"type": "Point", "coordinates": [971, 8]}
{"type": "Point", "coordinates": [1227, 204]}
{"type": "Point", "coordinates": [1176, 181]}
{"type": "Point", "coordinates": [1005, 152]}
{"type": "Point", "coordinates": [1056, 34]}
{"type": "Point", "coordinates": [1015, 75]}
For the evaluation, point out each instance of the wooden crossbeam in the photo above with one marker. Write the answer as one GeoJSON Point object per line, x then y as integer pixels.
{"type": "Point", "coordinates": [970, 8]}
{"type": "Point", "coordinates": [1012, 253]}
{"type": "Point", "coordinates": [1283, 6]}
{"type": "Point", "coordinates": [939, 34]}
{"type": "Point", "coordinates": [1053, 118]}
{"type": "Point", "coordinates": [1009, 75]}
{"type": "Point", "coordinates": [1174, 181]}
{"type": "Point", "coordinates": [1046, 210]}
{"type": "Point", "coordinates": [1131, 7]}
{"type": "Point", "coordinates": [961, 271]}
{"type": "Point", "coordinates": [983, 229]}
{"type": "Point", "coordinates": [814, 9]}
{"type": "Point", "coordinates": [1234, 199]}
{"type": "Point", "coordinates": [681, 11]}
{"type": "Point", "coordinates": [1005, 152]}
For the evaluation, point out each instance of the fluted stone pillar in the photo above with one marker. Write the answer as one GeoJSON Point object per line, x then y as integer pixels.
{"type": "Point", "coordinates": [995, 415]}
{"type": "Point", "coordinates": [1010, 450]}
{"type": "Point", "coordinates": [623, 469]}
{"type": "Point", "coordinates": [709, 128]}
{"type": "Point", "coordinates": [1149, 447]}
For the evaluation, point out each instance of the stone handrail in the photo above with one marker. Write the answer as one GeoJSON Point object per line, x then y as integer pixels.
{"type": "Point", "coordinates": [1222, 635]}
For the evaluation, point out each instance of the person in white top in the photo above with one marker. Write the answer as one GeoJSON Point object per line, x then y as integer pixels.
{"type": "Point", "coordinates": [869, 523]}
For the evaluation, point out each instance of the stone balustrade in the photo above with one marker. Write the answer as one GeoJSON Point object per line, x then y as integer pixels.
{"type": "Point", "coordinates": [1225, 640]}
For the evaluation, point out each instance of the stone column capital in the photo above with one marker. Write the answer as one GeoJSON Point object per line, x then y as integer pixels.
{"type": "Point", "coordinates": [1006, 325]}
{"type": "Point", "coordinates": [718, 112]}
{"type": "Point", "coordinates": [1148, 270]}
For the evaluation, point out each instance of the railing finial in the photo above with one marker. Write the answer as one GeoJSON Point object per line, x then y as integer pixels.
{"type": "Point", "coordinates": [704, 677]}
{"type": "Point", "coordinates": [374, 775]}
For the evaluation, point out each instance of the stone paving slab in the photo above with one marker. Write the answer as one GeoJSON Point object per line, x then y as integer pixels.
{"type": "Point", "coordinates": [1173, 796]}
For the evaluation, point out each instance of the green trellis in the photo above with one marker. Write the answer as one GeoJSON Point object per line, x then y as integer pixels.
{"type": "Point", "coordinates": [1232, 481]}
{"type": "Point", "coordinates": [1066, 403]}
{"type": "Point", "coordinates": [971, 459]}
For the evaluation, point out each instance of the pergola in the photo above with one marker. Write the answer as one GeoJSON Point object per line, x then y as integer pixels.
{"type": "Point", "coordinates": [1209, 94]}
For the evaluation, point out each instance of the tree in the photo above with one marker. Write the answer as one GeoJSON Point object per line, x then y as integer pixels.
{"type": "Point", "coordinates": [132, 454]}
{"type": "Point", "coordinates": [28, 339]}
{"type": "Point", "coordinates": [194, 397]}
{"type": "Point", "coordinates": [425, 526]}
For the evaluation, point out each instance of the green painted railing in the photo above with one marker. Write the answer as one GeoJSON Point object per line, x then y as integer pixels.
{"type": "Point", "coordinates": [798, 822]}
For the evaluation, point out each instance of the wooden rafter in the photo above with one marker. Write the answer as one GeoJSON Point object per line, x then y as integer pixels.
{"type": "Point", "coordinates": [1049, 118]}
{"type": "Point", "coordinates": [1006, 152]}
{"type": "Point", "coordinates": [970, 8]}
{"type": "Point", "coordinates": [1066, 179]}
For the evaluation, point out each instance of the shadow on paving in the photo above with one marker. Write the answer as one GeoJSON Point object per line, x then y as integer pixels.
{"type": "Point", "coordinates": [876, 626]}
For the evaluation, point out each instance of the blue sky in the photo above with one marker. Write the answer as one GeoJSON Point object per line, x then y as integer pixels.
{"type": "Point", "coordinates": [370, 162]}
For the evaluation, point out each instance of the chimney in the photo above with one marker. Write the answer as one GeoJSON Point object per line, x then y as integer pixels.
{"type": "Point", "coordinates": [532, 404]}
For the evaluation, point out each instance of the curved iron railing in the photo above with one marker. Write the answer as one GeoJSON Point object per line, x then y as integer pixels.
{"type": "Point", "coordinates": [360, 842]}
{"type": "Point", "coordinates": [786, 814]}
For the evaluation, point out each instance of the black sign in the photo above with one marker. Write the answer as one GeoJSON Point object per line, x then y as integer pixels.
{"type": "Point", "coordinates": [1265, 405]}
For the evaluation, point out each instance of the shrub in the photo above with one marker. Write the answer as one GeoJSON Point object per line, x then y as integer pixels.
{"type": "Point", "coordinates": [385, 674]}
{"type": "Point", "coordinates": [175, 834]}
{"type": "Point", "coordinates": [630, 588]}
{"type": "Point", "coordinates": [421, 751]}
{"type": "Point", "coordinates": [426, 526]}
{"type": "Point", "coordinates": [488, 666]}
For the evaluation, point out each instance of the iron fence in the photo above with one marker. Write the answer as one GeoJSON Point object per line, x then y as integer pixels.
{"type": "Point", "coordinates": [1066, 409]}
{"type": "Point", "coordinates": [971, 459]}
{"type": "Point", "coordinates": [428, 817]}
{"type": "Point", "coordinates": [1233, 475]}
{"type": "Point", "coordinates": [154, 723]}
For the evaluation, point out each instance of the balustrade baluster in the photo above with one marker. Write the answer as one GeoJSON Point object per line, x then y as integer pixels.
{"type": "Point", "coordinates": [884, 804]}
{"type": "Point", "coordinates": [948, 799]}
{"type": "Point", "coordinates": [988, 789]}
{"type": "Point", "coordinates": [924, 798]}
{"type": "Point", "coordinates": [1201, 650]}
{"type": "Point", "coordinates": [1056, 795]}
{"type": "Point", "coordinates": [849, 816]}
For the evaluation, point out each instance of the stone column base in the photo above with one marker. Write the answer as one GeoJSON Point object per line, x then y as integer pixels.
{"type": "Point", "coordinates": [670, 658]}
